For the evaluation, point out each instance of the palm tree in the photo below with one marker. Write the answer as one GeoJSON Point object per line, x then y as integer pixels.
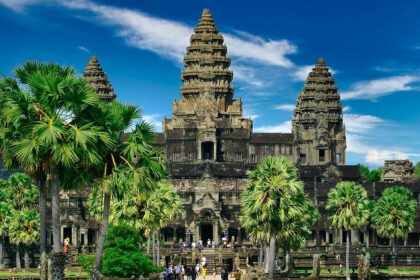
{"type": "Point", "coordinates": [348, 207]}
{"type": "Point", "coordinates": [131, 162]}
{"type": "Point", "coordinates": [5, 212]}
{"type": "Point", "coordinates": [23, 229]}
{"type": "Point", "coordinates": [274, 201]}
{"type": "Point", "coordinates": [394, 214]}
{"type": "Point", "coordinates": [42, 131]}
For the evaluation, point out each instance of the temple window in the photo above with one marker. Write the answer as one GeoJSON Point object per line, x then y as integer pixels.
{"type": "Point", "coordinates": [207, 150]}
{"type": "Point", "coordinates": [302, 158]}
{"type": "Point", "coordinates": [321, 155]}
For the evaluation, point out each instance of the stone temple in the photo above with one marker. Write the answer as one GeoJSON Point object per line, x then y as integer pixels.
{"type": "Point", "coordinates": [209, 146]}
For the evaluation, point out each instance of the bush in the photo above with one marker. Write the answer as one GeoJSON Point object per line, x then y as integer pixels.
{"type": "Point", "coordinates": [122, 255]}
{"type": "Point", "coordinates": [87, 262]}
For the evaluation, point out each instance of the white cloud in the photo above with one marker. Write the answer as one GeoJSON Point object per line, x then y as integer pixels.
{"type": "Point", "coordinates": [302, 72]}
{"type": "Point", "coordinates": [19, 5]}
{"type": "Point", "coordinates": [346, 109]}
{"type": "Point", "coordinates": [376, 88]}
{"type": "Point", "coordinates": [169, 38]}
{"type": "Point", "coordinates": [82, 48]}
{"type": "Point", "coordinates": [285, 107]}
{"type": "Point", "coordinates": [377, 157]}
{"type": "Point", "coordinates": [285, 127]}
{"type": "Point", "coordinates": [247, 75]}
{"type": "Point", "coordinates": [155, 120]}
{"type": "Point", "coordinates": [360, 123]}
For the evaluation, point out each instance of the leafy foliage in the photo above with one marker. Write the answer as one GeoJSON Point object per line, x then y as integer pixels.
{"type": "Point", "coordinates": [275, 201]}
{"type": "Point", "coordinates": [417, 169]}
{"type": "Point", "coordinates": [122, 256]}
{"type": "Point", "coordinates": [374, 175]}
{"type": "Point", "coordinates": [86, 261]}
{"type": "Point", "coordinates": [394, 213]}
{"type": "Point", "coordinates": [348, 205]}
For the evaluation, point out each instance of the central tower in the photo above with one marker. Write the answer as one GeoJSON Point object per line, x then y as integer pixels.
{"type": "Point", "coordinates": [206, 117]}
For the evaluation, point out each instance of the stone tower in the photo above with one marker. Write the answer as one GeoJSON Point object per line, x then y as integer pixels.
{"type": "Point", "coordinates": [206, 116]}
{"type": "Point", "coordinates": [98, 79]}
{"type": "Point", "coordinates": [317, 124]}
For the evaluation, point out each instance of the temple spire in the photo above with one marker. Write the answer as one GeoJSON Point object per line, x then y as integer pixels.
{"type": "Point", "coordinates": [98, 79]}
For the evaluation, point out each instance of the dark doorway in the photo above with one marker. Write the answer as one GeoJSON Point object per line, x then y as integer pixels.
{"type": "Point", "coordinates": [206, 232]}
{"type": "Point", "coordinates": [207, 150]}
{"type": "Point", "coordinates": [67, 233]}
{"type": "Point", "coordinates": [91, 236]}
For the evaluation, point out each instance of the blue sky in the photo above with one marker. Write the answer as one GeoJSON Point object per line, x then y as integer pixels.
{"type": "Point", "coordinates": [373, 48]}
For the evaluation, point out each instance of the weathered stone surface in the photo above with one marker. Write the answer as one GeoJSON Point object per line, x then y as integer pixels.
{"type": "Point", "coordinates": [98, 79]}
{"type": "Point", "coordinates": [317, 123]}
{"type": "Point", "coordinates": [398, 171]}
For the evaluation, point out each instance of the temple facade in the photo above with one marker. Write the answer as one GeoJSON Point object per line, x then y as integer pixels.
{"type": "Point", "coordinates": [210, 146]}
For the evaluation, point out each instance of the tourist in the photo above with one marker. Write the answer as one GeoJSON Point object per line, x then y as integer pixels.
{"type": "Point", "coordinates": [188, 272]}
{"type": "Point", "coordinates": [214, 273]}
{"type": "Point", "coordinates": [193, 245]}
{"type": "Point", "coordinates": [182, 273]}
{"type": "Point", "coordinates": [208, 243]}
{"type": "Point", "coordinates": [213, 244]}
{"type": "Point", "coordinates": [200, 246]}
{"type": "Point", "coordinates": [177, 271]}
{"type": "Point", "coordinates": [224, 275]}
{"type": "Point", "coordinates": [194, 274]}
{"type": "Point", "coordinates": [197, 269]}
{"type": "Point", "coordinates": [204, 270]}
{"type": "Point", "coordinates": [170, 272]}
{"type": "Point", "coordinates": [165, 274]}
{"type": "Point", "coordinates": [66, 245]}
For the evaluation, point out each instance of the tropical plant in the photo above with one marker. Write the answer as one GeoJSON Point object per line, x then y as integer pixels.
{"type": "Point", "coordinates": [394, 214]}
{"type": "Point", "coordinates": [372, 176]}
{"type": "Point", "coordinates": [275, 207]}
{"type": "Point", "coordinates": [42, 131]}
{"type": "Point", "coordinates": [86, 262]}
{"type": "Point", "coordinates": [348, 207]}
{"type": "Point", "coordinates": [24, 229]}
{"type": "Point", "coordinates": [130, 163]}
{"type": "Point", "coordinates": [5, 212]}
{"type": "Point", "coordinates": [122, 256]}
{"type": "Point", "coordinates": [417, 169]}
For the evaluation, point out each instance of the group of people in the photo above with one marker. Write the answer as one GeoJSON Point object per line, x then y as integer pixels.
{"type": "Point", "coordinates": [192, 273]}
{"type": "Point", "coordinates": [210, 244]}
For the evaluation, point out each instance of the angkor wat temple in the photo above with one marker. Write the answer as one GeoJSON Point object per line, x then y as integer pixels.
{"type": "Point", "coordinates": [209, 146]}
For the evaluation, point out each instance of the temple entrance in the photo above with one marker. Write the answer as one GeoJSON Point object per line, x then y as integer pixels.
{"type": "Point", "coordinates": [207, 150]}
{"type": "Point", "coordinates": [206, 233]}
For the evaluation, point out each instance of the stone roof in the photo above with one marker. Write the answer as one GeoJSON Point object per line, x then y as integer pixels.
{"type": "Point", "coordinates": [98, 79]}
{"type": "Point", "coordinates": [319, 96]}
{"type": "Point", "coordinates": [271, 138]}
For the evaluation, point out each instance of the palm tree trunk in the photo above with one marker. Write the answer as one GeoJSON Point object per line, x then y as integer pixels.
{"type": "Point", "coordinates": [1, 252]}
{"type": "Point", "coordinates": [347, 254]}
{"type": "Point", "coordinates": [148, 246]}
{"type": "Point", "coordinates": [266, 257]}
{"type": "Point", "coordinates": [59, 259]}
{"type": "Point", "coordinates": [368, 238]}
{"type": "Point", "coordinates": [271, 255]}
{"type": "Point", "coordinates": [18, 265]}
{"type": "Point", "coordinates": [43, 228]}
{"type": "Point", "coordinates": [153, 248]}
{"type": "Point", "coordinates": [260, 257]}
{"type": "Point", "coordinates": [158, 249]}
{"type": "Point", "coordinates": [27, 259]}
{"type": "Point", "coordinates": [102, 235]}
{"type": "Point", "coordinates": [396, 252]}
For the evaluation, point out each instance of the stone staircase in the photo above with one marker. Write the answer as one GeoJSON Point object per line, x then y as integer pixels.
{"type": "Point", "coordinates": [210, 263]}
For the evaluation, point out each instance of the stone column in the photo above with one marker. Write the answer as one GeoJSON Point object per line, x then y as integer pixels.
{"type": "Point", "coordinates": [175, 237]}
{"type": "Point", "coordinates": [216, 231]}
{"type": "Point", "coordinates": [61, 234]}
{"type": "Point", "coordinates": [197, 233]}
{"type": "Point", "coordinates": [354, 237]}
{"type": "Point", "coordinates": [74, 239]}
{"type": "Point", "coordinates": [327, 237]}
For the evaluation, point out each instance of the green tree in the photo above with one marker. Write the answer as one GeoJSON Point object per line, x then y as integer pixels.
{"type": "Point", "coordinates": [417, 169]}
{"type": "Point", "coordinates": [372, 176]}
{"type": "Point", "coordinates": [5, 212]}
{"type": "Point", "coordinates": [348, 207]}
{"type": "Point", "coordinates": [19, 220]}
{"type": "Point", "coordinates": [130, 163]}
{"type": "Point", "coordinates": [274, 202]}
{"type": "Point", "coordinates": [43, 132]}
{"type": "Point", "coordinates": [122, 256]}
{"type": "Point", "coordinates": [24, 229]}
{"type": "Point", "coordinates": [394, 214]}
